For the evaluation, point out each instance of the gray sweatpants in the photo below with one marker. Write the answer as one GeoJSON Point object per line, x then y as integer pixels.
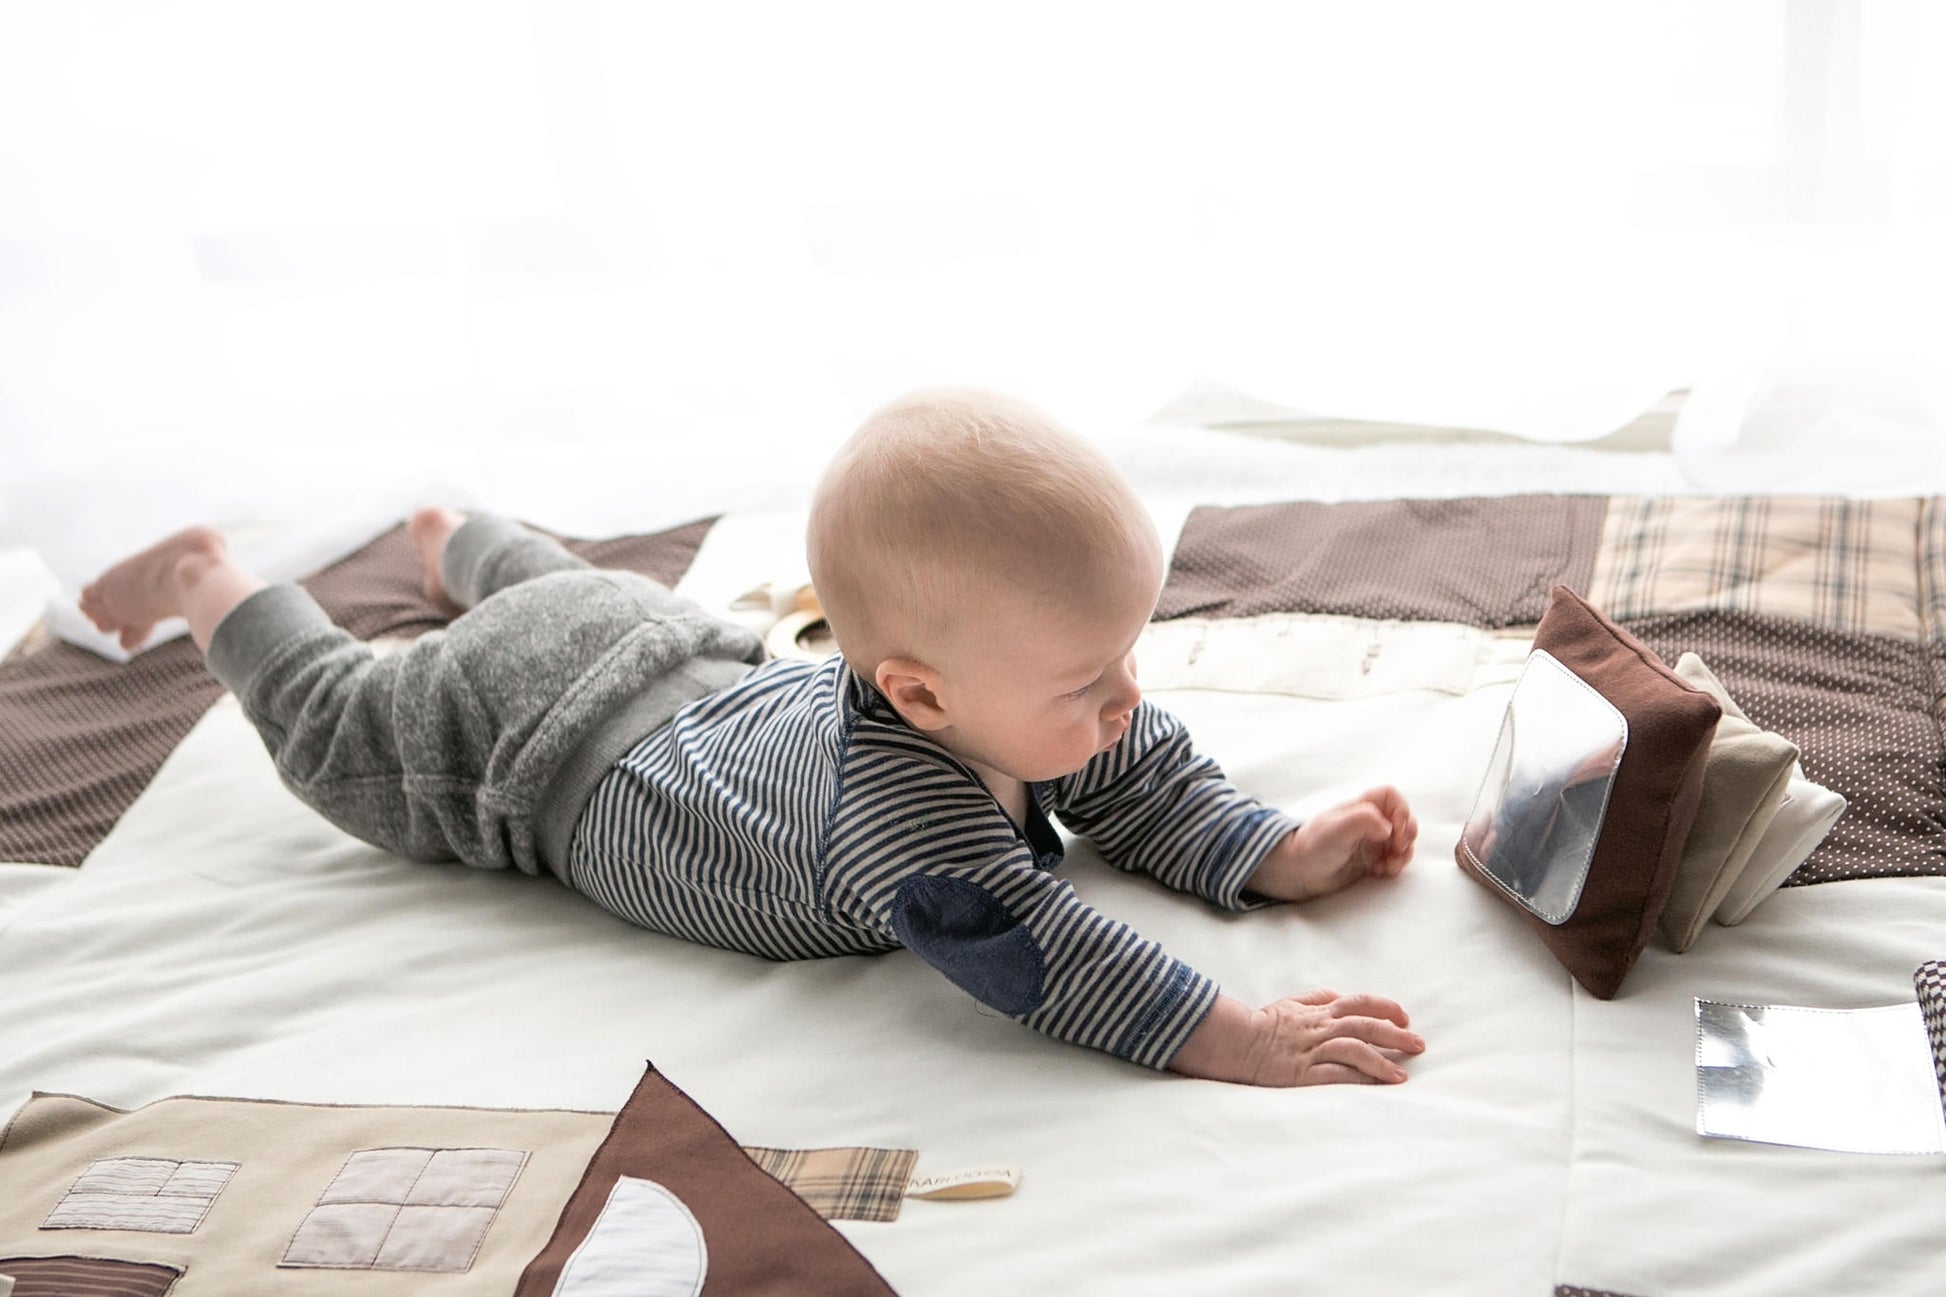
{"type": "Point", "coordinates": [483, 741]}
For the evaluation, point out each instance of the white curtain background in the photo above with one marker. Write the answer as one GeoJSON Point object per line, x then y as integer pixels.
{"type": "Point", "coordinates": [616, 265]}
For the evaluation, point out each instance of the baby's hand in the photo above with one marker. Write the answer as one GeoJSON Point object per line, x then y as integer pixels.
{"type": "Point", "coordinates": [1321, 1038]}
{"type": "Point", "coordinates": [1370, 837]}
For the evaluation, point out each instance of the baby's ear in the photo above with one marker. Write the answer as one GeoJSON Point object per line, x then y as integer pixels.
{"type": "Point", "coordinates": [913, 690]}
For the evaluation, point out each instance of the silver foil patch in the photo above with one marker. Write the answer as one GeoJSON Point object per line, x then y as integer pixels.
{"type": "Point", "coordinates": [1539, 814]}
{"type": "Point", "coordinates": [1851, 1080]}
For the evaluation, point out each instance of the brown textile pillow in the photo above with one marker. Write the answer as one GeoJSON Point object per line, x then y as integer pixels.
{"type": "Point", "coordinates": [1651, 805]}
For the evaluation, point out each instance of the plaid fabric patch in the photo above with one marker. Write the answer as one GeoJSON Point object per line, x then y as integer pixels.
{"type": "Point", "coordinates": [1930, 981]}
{"type": "Point", "coordinates": [1849, 565]}
{"type": "Point", "coordinates": [843, 1183]}
{"type": "Point", "coordinates": [1933, 567]}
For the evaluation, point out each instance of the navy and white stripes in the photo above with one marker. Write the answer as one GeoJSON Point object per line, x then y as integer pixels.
{"type": "Point", "coordinates": [789, 815]}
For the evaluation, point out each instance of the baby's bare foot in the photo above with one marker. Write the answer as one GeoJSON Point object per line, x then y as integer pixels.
{"type": "Point", "coordinates": [143, 589]}
{"type": "Point", "coordinates": [430, 528]}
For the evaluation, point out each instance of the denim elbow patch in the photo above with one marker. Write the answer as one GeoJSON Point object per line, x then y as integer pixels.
{"type": "Point", "coordinates": [962, 930]}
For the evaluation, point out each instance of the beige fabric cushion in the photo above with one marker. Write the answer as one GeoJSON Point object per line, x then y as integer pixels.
{"type": "Point", "coordinates": [1745, 781]}
{"type": "Point", "coordinates": [1803, 818]}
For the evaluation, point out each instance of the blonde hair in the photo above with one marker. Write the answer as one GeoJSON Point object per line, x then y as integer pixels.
{"type": "Point", "coordinates": [946, 496]}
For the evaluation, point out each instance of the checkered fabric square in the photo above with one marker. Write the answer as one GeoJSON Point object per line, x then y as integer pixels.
{"type": "Point", "coordinates": [843, 1183]}
{"type": "Point", "coordinates": [1929, 979]}
{"type": "Point", "coordinates": [1847, 565]}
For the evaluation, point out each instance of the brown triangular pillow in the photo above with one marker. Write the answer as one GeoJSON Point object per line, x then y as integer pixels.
{"type": "Point", "coordinates": [1651, 801]}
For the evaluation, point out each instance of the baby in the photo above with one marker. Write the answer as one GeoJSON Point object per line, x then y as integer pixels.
{"type": "Point", "coordinates": [987, 576]}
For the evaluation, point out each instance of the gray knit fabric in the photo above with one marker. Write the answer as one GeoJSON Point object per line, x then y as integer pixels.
{"type": "Point", "coordinates": [480, 742]}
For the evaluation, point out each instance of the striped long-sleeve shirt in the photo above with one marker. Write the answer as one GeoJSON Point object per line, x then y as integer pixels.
{"type": "Point", "coordinates": [796, 815]}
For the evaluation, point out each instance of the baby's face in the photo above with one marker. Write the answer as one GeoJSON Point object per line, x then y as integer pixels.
{"type": "Point", "coordinates": [1042, 687]}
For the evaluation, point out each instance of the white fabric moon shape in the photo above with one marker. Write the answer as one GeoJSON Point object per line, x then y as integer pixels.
{"type": "Point", "coordinates": [645, 1243]}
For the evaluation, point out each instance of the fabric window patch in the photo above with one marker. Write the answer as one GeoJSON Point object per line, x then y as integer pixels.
{"type": "Point", "coordinates": [1843, 564]}
{"type": "Point", "coordinates": [763, 1240]}
{"type": "Point", "coordinates": [1859, 708]}
{"type": "Point", "coordinates": [645, 1243]}
{"type": "Point", "coordinates": [68, 1276]}
{"type": "Point", "coordinates": [1481, 561]}
{"type": "Point", "coordinates": [843, 1183]}
{"type": "Point", "coordinates": [406, 1209]}
{"type": "Point", "coordinates": [155, 1195]}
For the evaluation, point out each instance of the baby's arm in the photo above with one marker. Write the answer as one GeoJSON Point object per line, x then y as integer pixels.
{"type": "Point", "coordinates": [1313, 1039]}
{"type": "Point", "coordinates": [1369, 837]}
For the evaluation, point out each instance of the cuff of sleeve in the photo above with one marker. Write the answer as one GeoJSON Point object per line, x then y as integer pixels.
{"type": "Point", "coordinates": [1243, 849]}
{"type": "Point", "coordinates": [258, 626]}
{"type": "Point", "coordinates": [463, 563]}
{"type": "Point", "coordinates": [1176, 1010]}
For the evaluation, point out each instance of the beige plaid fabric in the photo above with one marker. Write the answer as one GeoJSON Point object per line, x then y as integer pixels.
{"type": "Point", "coordinates": [1848, 565]}
{"type": "Point", "coordinates": [1932, 566]}
{"type": "Point", "coordinates": [843, 1183]}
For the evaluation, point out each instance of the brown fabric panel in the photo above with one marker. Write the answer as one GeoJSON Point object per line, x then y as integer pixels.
{"type": "Point", "coordinates": [663, 555]}
{"type": "Point", "coordinates": [86, 1276]}
{"type": "Point", "coordinates": [1651, 806]}
{"type": "Point", "coordinates": [378, 590]}
{"type": "Point", "coordinates": [81, 737]}
{"type": "Point", "coordinates": [1483, 561]}
{"type": "Point", "coordinates": [1861, 709]}
{"type": "Point", "coordinates": [763, 1241]}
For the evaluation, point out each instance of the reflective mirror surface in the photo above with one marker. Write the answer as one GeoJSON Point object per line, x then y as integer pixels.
{"type": "Point", "coordinates": [1857, 1081]}
{"type": "Point", "coordinates": [1539, 814]}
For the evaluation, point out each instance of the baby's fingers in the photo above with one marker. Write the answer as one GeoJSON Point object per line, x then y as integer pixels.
{"type": "Point", "coordinates": [1362, 1005]}
{"type": "Point", "coordinates": [1344, 1054]}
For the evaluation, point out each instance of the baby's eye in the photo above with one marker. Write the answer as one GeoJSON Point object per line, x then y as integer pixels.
{"type": "Point", "coordinates": [1080, 693]}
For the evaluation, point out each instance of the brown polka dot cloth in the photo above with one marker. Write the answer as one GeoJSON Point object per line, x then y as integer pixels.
{"type": "Point", "coordinates": [1859, 707]}
{"type": "Point", "coordinates": [81, 737]}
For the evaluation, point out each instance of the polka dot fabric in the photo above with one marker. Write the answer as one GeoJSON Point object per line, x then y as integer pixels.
{"type": "Point", "coordinates": [1860, 708]}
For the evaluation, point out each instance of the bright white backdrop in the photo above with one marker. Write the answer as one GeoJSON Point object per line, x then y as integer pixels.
{"type": "Point", "coordinates": [621, 264]}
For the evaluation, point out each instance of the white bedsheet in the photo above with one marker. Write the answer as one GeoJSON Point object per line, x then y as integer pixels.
{"type": "Point", "coordinates": [223, 940]}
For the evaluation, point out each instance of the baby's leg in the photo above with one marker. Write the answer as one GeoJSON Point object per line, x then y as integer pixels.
{"type": "Point", "coordinates": [189, 575]}
{"type": "Point", "coordinates": [468, 558]}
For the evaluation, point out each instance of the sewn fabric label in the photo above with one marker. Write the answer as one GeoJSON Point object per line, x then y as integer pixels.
{"type": "Point", "coordinates": [974, 1182]}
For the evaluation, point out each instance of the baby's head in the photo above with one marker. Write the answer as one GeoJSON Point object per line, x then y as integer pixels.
{"type": "Point", "coordinates": [989, 572]}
